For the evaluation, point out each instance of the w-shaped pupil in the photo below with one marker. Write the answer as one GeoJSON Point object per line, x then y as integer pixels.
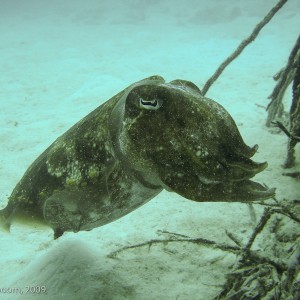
{"type": "Point", "coordinates": [150, 102]}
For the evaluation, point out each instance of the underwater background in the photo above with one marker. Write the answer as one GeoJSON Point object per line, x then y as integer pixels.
{"type": "Point", "coordinates": [59, 60]}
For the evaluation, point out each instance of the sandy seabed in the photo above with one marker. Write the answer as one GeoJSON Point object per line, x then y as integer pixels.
{"type": "Point", "coordinates": [60, 60]}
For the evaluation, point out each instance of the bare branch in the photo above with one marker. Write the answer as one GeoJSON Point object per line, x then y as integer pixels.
{"type": "Point", "coordinates": [200, 241]}
{"type": "Point", "coordinates": [243, 45]}
{"type": "Point", "coordinates": [286, 77]}
{"type": "Point", "coordinates": [263, 221]}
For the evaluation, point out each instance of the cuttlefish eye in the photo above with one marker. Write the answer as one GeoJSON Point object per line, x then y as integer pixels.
{"type": "Point", "coordinates": [150, 104]}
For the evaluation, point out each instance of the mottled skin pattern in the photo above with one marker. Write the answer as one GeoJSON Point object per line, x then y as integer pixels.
{"type": "Point", "coordinates": [151, 136]}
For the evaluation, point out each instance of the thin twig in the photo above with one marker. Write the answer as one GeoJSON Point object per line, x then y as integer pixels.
{"type": "Point", "coordinates": [286, 212]}
{"type": "Point", "coordinates": [263, 221]}
{"type": "Point", "coordinates": [234, 238]}
{"type": "Point", "coordinates": [281, 209]}
{"type": "Point", "coordinates": [260, 106]}
{"type": "Point", "coordinates": [251, 255]}
{"type": "Point", "coordinates": [201, 241]}
{"type": "Point", "coordinates": [242, 45]}
{"type": "Point", "coordinates": [173, 234]}
{"type": "Point", "coordinates": [292, 174]}
{"type": "Point", "coordinates": [286, 77]}
{"type": "Point", "coordinates": [284, 129]}
{"type": "Point", "coordinates": [252, 213]}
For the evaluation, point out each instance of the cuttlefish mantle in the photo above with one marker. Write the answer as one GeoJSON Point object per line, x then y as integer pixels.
{"type": "Point", "coordinates": [151, 136]}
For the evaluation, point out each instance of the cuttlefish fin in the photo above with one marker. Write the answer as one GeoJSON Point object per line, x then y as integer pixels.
{"type": "Point", "coordinates": [66, 210]}
{"type": "Point", "coordinates": [7, 215]}
{"type": "Point", "coordinates": [62, 211]}
{"type": "Point", "coordinates": [4, 222]}
{"type": "Point", "coordinates": [16, 213]}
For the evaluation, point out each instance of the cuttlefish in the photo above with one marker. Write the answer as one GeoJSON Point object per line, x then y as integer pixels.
{"type": "Point", "coordinates": [151, 136]}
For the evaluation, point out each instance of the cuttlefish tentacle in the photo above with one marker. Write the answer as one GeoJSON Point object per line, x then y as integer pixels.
{"type": "Point", "coordinates": [244, 168]}
{"type": "Point", "coordinates": [244, 191]}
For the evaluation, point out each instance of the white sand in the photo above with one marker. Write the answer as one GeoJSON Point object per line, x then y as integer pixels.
{"type": "Point", "coordinates": [61, 59]}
